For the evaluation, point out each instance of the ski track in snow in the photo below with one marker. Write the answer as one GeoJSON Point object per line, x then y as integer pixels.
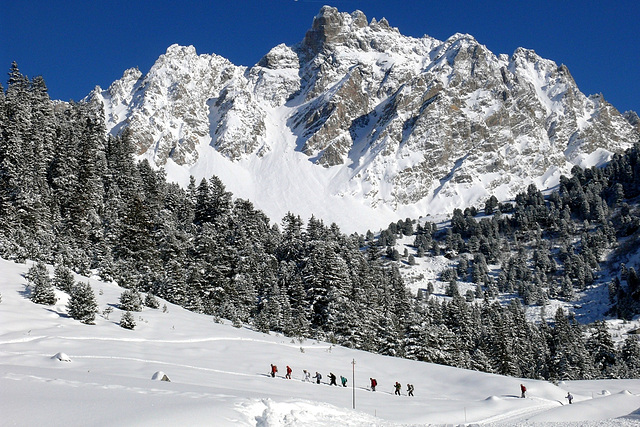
{"type": "Point", "coordinates": [137, 359]}
{"type": "Point", "coordinates": [522, 414]}
{"type": "Point", "coordinates": [162, 341]}
{"type": "Point", "coordinates": [139, 390]}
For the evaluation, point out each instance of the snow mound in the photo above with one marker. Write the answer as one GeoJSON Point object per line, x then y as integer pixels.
{"type": "Point", "coordinates": [160, 376]}
{"type": "Point", "coordinates": [61, 357]}
{"type": "Point", "coordinates": [267, 412]}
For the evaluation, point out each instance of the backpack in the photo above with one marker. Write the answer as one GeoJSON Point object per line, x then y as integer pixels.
{"type": "Point", "coordinates": [374, 382]}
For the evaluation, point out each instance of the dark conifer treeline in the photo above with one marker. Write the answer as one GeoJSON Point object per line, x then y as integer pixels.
{"type": "Point", "coordinates": [75, 198]}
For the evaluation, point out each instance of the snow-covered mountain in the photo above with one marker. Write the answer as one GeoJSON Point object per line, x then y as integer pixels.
{"type": "Point", "coordinates": [56, 370]}
{"type": "Point", "coordinates": [361, 125]}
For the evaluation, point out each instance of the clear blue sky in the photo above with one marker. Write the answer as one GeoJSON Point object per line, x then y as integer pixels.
{"type": "Point", "coordinates": [76, 45]}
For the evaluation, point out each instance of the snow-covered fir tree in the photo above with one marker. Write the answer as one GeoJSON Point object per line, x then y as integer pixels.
{"type": "Point", "coordinates": [151, 301]}
{"type": "Point", "coordinates": [63, 278]}
{"type": "Point", "coordinates": [43, 291]}
{"type": "Point", "coordinates": [82, 303]}
{"type": "Point", "coordinates": [130, 300]}
{"type": "Point", "coordinates": [127, 320]}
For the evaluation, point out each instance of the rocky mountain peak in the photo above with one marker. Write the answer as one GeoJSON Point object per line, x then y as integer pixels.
{"type": "Point", "coordinates": [331, 28]}
{"type": "Point", "coordinates": [178, 51]}
{"type": "Point", "coordinates": [394, 122]}
{"type": "Point", "coordinates": [280, 57]}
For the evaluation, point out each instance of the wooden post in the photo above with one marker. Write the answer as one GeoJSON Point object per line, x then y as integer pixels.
{"type": "Point", "coordinates": [353, 382]}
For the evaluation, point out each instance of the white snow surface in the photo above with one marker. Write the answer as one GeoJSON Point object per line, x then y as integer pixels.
{"type": "Point", "coordinates": [219, 376]}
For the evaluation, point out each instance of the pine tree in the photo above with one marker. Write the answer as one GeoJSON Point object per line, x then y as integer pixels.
{"type": "Point", "coordinates": [151, 301]}
{"type": "Point", "coordinates": [43, 292]}
{"type": "Point", "coordinates": [569, 358]}
{"type": "Point", "coordinates": [387, 338]}
{"type": "Point", "coordinates": [14, 146]}
{"type": "Point", "coordinates": [505, 356]}
{"type": "Point", "coordinates": [413, 340]}
{"type": "Point", "coordinates": [602, 350]}
{"type": "Point", "coordinates": [42, 135]}
{"type": "Point", "coordinates": [131, 300]}
{"type": "Point", "coordinates": [63, 278]}
{"type": "Point", "coordinates": [327, 281]}
{"type": "Point", "coordinates": [291, 245]}
{"type": "Point", "coordinates": [480, 361]}
{"type": "Point", "coordinates": [26, 132]}
{"type": "Point", "coordinates": [490, 205]}
{"type": "Point", "coordinates": [630, 353]}
{"type": "Point", "coordinates": [82, 304]}
{"type": "Point", "coordinates": [127, 321]}
{"type": "Point", "coordinates": [289, 279]}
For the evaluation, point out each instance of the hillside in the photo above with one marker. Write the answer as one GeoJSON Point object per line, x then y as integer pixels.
{"type": "Point", "coordinates": [219, 376]}
{"type": "Point", "coordinates": [79, 200]}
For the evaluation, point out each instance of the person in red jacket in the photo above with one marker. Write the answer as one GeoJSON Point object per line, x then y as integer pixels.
{"type": "Point", "coordinates": [274, 369]}
{"type": "Point", "coordinates": [523, 390]}
{"type": "Point", "coordinates": [374, 383]}
{"type": "Point", "coordinates": [288, 376]}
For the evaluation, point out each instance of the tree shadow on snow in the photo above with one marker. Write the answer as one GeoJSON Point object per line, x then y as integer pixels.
{"type": "Point", "coordinates": [65, 315]}
{"type": "Point", "coordinates": [26, 292]}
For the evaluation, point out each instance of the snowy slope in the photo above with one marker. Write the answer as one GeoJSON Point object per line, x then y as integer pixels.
{"type": "Point", "coordinates": [361, 125]}
{"type": "Point", "coordinates": [219, 376]}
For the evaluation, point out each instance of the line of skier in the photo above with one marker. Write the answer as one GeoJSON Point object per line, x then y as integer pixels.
{"type": "Point", "coordinates": [333, 379]}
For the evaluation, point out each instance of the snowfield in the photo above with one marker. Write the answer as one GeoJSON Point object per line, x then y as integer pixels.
{"type": "Point", "coordinates": [56, 370]}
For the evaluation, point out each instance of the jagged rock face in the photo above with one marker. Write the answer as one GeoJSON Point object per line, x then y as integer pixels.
{"type": "Point", "coordinates": [633, 119]}
{"type": "Point", "coordinates": [410, 118]}
{"type": "Point", "coordinates": [168, 109]}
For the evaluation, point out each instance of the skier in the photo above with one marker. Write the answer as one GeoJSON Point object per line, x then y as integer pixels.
{"type": "Point", "coordinates": [307, 376]}
{"type": "Point", "coordinates": [374, 383]}
{"type": "Point", "coordinates": [410, 390]}
{"type": "Point", "coordinates": [274, 369]}
{"type": "Point", "coordinates": [398, 386]}
{"type": "Point", "coordinates": [288, 376]}
{"type": "Point", "coordinates": [344, 381]}
{"type": "Point", "coordinates": [332, 379]}
{"type": "Point", "coordinates": [570, 397]}
{"type": "Point", "coordinates": [523, 390]}
{"type": "Point", "coordinates": [318, 377]}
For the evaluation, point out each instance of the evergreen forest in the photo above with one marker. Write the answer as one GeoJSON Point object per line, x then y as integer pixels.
{"type": "Point", "coordinates": [76, 198]}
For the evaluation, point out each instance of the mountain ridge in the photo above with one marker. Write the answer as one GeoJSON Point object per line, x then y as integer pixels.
{"type": "Point", "coordinates": [392, 125]}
